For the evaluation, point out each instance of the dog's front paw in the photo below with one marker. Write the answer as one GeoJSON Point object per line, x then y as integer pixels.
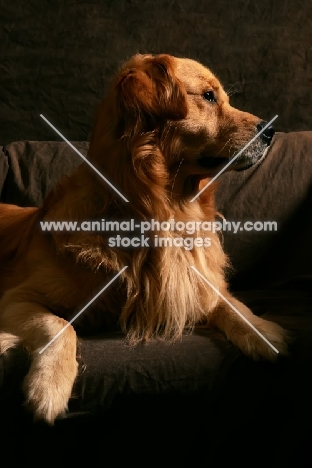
{"type": "Point", "coordinates": [254, 336]}
{"type": "Point", "coordinates": [271, 342]}
{"type": "Point", "coordinates": [48, 388]}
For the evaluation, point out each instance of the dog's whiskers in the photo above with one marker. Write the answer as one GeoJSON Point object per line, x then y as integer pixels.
{"type": "Point", "coordinates": [235, 91]}
{"type": "Point", "coordinates": [174, 179]}
{"type": "Point", "coordinates": [223, 147]}
{"type": "Point", "coordinates": [231, 87]}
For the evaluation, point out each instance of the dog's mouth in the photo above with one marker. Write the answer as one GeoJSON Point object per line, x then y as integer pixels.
{"type": "Point", "coordinates": [190, 173]}
{"type": "Point", "coordinates": [250, 157]}
{"type": "Point", "coordinates": [212, 162]}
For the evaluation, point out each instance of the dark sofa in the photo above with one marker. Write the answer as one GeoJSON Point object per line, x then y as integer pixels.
{"type": "Point", "coordinates": [198, 402]}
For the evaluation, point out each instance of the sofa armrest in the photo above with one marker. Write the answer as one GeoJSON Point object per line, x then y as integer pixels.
{"type": "Point", "coordinates": [4, 167]}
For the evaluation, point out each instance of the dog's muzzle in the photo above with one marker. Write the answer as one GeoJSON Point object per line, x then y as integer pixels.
{"type": "Point", "coordinates": [252, 155]}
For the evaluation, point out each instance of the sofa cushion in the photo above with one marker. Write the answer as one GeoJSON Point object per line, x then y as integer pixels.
{"type": "Point", "coordinates": [280, 190]}
{"type": "Point", "coordinates": [35, 168]}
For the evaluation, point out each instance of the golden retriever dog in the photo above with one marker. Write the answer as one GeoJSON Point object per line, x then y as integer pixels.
{"type": "Point", "coordinates": [165, 126]}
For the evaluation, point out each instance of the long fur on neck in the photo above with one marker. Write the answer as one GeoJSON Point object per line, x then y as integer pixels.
{"type": "Point", "coordinates": [164, 295]}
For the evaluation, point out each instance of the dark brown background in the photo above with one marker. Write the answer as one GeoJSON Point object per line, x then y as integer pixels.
{"type": "Point", "coordinates": [57, 57]}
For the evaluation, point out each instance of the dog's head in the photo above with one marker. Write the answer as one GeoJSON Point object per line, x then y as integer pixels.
{"type": "Point", "coordinates": [168, 123]}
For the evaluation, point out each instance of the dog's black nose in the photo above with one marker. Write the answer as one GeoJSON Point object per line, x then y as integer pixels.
{"type": "Point", "coordinates": [268, 133]}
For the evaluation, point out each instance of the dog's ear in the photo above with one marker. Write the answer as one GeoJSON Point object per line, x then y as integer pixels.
{"type": "Point", "coordinates": [148, 89]}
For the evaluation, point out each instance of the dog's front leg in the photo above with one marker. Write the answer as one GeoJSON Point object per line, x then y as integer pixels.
{"type": "Point", "coordinates": [227, 319]}
{"type": "Point", "coordinates": [48, 384]}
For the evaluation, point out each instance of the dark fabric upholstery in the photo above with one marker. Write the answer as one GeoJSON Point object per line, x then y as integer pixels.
{"type": "Point", "coordinates": [280, 190]}
{"type": "Point", "coordinates": [35, 167]}
{"type": "Point", "coordinates": [3, 170]}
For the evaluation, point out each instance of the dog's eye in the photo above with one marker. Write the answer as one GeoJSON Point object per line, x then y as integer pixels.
{"type": "Point", "coordinates": [209, 96]}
